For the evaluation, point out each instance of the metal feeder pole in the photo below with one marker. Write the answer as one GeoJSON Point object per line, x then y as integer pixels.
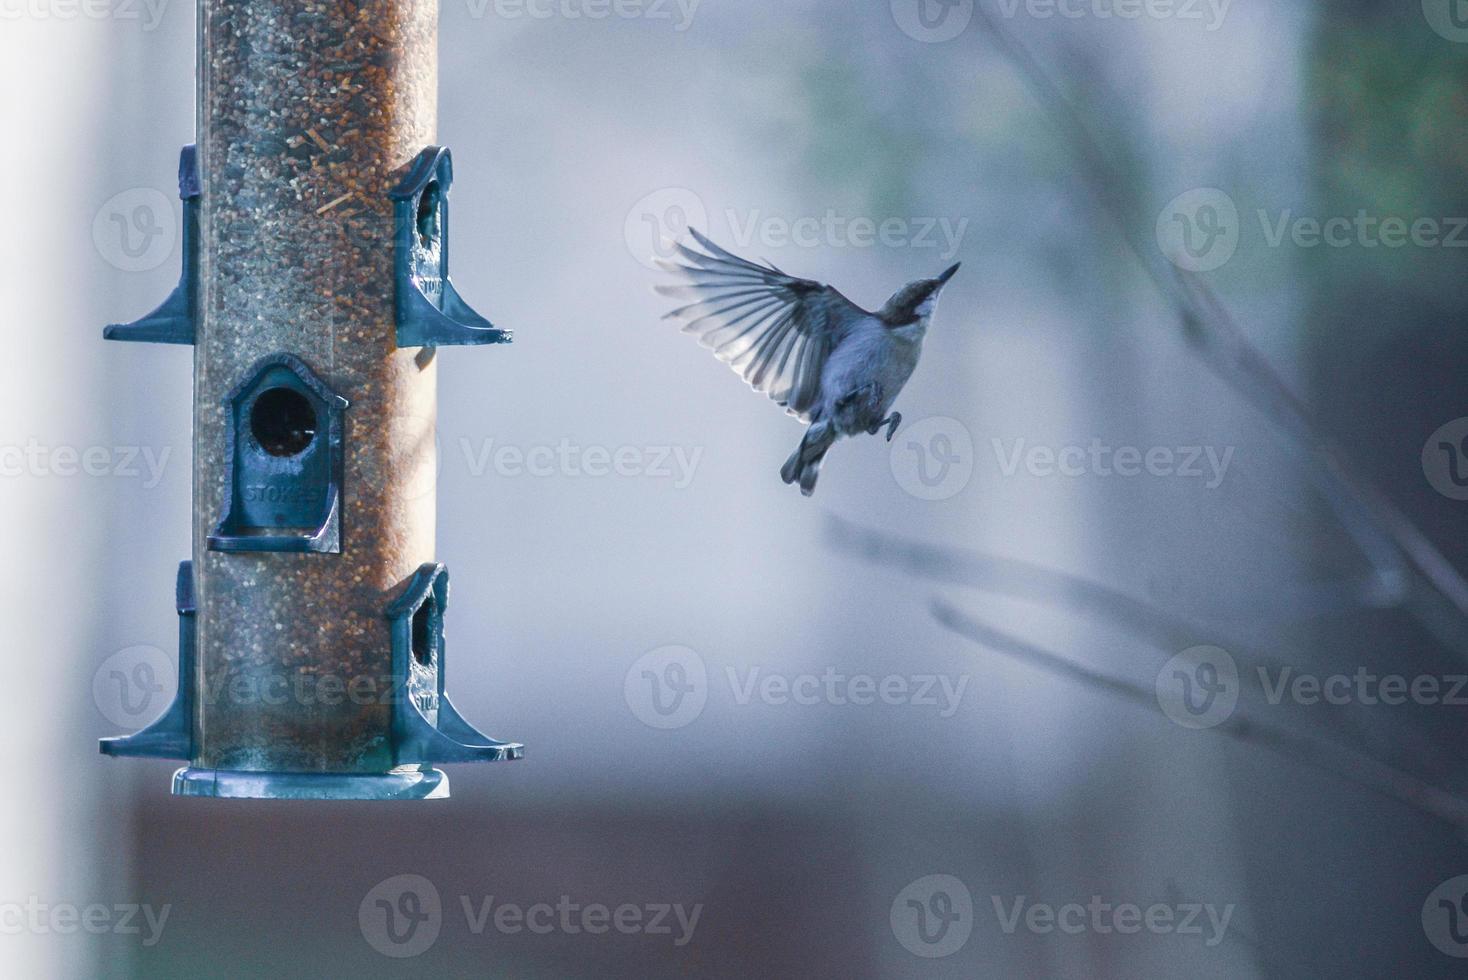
{"type": "Point", "coordinates": [315, 291]}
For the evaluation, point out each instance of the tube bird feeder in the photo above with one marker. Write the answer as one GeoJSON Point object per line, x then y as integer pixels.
{"type": "Point", "coordinates": [315, 293]}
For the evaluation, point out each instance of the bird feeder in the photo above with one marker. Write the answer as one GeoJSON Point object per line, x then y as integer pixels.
{"type": "Point", "coordinates": [315, 293]}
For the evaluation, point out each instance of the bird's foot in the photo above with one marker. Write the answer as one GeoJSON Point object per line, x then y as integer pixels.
{"type": "Point", "coordinates": [891, 422]}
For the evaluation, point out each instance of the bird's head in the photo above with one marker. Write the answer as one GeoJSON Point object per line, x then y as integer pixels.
{"type": "Point", "coordinates": [915, 302]}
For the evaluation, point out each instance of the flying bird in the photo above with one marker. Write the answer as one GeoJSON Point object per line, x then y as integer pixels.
{"type": "Point", "coordinates": [828, 362]}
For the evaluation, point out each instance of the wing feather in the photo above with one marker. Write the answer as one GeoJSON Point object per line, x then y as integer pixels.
{"type": "Point", "coordinates": [718, 306]}
{"type": "Point", "coordinates": [775, 330]}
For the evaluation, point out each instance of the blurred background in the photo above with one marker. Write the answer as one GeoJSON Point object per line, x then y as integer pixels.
{"type": "Point", "coordinates": [1017, 695]}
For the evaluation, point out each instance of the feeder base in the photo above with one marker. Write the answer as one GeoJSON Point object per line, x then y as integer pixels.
{"type": "Point", "coordinates": [408, 784]}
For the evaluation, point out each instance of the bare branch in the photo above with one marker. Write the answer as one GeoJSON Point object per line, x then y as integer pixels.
{"type": "Point", "coordinates": [1151, 625]}
{"type": "Point", "coordinates": [1408, 569]}
{"type": "Point", "coordinates": [1322, 756]}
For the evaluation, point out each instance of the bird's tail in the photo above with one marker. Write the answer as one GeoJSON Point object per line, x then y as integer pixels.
{"type": "Point", "coordinates": [804, 465]}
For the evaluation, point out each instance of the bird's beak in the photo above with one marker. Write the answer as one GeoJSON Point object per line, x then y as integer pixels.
{"type": "Point", "coordinates": [943, 279]}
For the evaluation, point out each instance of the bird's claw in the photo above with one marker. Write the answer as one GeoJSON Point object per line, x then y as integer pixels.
{"type": "Point", "coordinates": [892, 424]}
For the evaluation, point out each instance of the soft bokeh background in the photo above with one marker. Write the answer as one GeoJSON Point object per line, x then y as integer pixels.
{"type": "Point", "coordinates": [794, 826]}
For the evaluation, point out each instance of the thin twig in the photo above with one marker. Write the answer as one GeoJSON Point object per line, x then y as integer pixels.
{"type": "Point", "coordinates": [1023, 580]}
{"type": "Point", "coordinates": [1149, 624]}
{"type": "Point", "coordinates": [1321, 756]}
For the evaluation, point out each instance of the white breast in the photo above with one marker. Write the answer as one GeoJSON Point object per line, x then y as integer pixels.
{"type": "Point", "coordinates": [872, 352]}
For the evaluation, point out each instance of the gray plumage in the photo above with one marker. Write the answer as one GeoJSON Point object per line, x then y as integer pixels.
{"type": "Point", "coordinates": [825, 360]}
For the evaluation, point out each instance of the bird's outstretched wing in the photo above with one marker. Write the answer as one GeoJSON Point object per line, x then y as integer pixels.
{"type": "Point", "coordinates": [774, 330]}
